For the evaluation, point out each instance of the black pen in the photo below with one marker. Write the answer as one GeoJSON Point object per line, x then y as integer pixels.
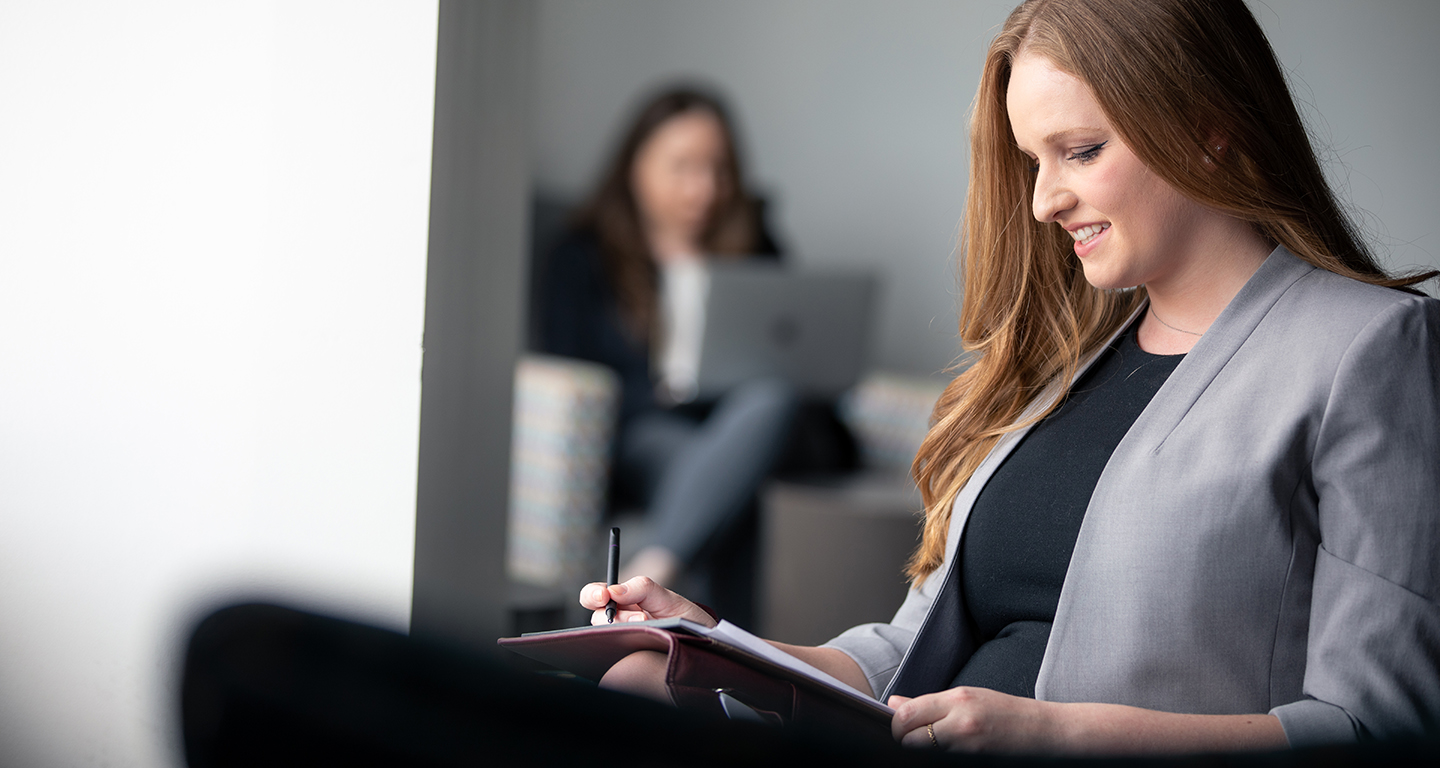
{"type": "Point", "coordinates": [612, 572]}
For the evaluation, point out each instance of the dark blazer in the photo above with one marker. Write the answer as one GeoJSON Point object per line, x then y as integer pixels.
{"type": "Point", "coordinates": [580, 317]}
{"type": "Point", "coordinates": [1264, 538]}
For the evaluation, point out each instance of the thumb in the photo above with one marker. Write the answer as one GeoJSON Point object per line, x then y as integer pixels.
{"type": "Point", "coordinates": [594, 596]}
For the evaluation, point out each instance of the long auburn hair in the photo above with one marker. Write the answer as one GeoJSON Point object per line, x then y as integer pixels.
{"type": "Point", "coordinates": [613, 216]}
{"type": "Point", "coordinates": [1172, 77]}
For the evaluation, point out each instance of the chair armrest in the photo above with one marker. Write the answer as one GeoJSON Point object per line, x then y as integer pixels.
{"type": "Point", "coordinates": [561, 436]}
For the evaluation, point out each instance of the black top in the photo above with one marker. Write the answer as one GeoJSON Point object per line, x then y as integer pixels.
{"type": "Point", "coordinates": [580, 317]}
{"type": "Point", "coordinates": [1022, 528]}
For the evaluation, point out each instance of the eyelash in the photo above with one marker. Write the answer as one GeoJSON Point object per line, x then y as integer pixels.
{"type": "Point", "coordinates": [1085, 155]}
{"type": "Point", "coordinates": [1089, 153]}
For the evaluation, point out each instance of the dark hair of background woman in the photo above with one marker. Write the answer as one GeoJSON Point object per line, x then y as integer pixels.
{"type": "Point", "coordinates": [613, 215]}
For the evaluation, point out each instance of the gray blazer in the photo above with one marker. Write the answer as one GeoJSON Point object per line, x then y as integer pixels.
{"type": "Point", "coordinates": [1265, 537]}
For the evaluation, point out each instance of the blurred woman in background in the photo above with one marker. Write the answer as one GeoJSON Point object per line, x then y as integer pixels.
{"type": "Point", "coordinates": [626, 283]}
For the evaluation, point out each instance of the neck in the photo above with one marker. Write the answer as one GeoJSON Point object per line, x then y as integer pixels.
{"type": "Point", "coordinates": [671, 245]}
{"type": "Point", "coordinates": [1186, 304]}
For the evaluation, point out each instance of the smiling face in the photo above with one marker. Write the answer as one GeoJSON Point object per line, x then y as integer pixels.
{"type": "Point", "coordinates": [1130, 227]}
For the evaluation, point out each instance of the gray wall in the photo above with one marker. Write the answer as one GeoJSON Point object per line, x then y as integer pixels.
{"type": "Point", "coordinates": [473, 312]}
{"type": "Point", "coordinates": [855, 116]}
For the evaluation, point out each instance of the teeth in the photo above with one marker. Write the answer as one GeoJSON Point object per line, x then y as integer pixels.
{"type": "Point", "coordinates": [1086, 234]}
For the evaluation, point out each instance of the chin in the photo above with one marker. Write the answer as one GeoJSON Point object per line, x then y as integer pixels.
{"type": "Point", "coordinates": [1106, 282]}
{"type": "Point", "coordinates": [1109, 276]}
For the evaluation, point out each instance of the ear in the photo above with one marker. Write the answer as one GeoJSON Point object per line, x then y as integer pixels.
{"type": "Point", "coordinates": [1214, 150]}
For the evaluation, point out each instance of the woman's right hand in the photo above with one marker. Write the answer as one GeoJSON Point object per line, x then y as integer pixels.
{"type": "Point", "coordinates": [639, 599]}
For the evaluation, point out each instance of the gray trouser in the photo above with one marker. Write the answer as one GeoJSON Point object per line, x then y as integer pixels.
{"type": "Point", "coordinates": [696, 476]}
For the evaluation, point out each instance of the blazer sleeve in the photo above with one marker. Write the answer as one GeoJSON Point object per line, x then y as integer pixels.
{"type": "Point", "coordinates": [879, 648]}
{"type": "Point", "coordinates": [1373, 651]}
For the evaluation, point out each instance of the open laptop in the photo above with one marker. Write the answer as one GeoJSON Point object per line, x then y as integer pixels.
{"type": "Point", "coordinates": [810, 328]}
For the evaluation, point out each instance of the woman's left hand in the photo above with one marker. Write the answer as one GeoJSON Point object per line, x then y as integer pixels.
{"type": "Point", "coordinates": [977, 719]}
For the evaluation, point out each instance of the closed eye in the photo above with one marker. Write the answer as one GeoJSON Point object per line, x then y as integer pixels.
{"type": "Point", "coordinates": [1088, 153]}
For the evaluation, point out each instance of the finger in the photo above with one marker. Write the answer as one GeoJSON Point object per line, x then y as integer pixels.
{"type": "Point", "coordinates": [916, 713]}
{"type": "Point", "coordinates": [597, 595]}
{"type": "Point", "coordinates": [594, 595]}
{"type": "Point", "coordinates": [918, 738]}
{"type": "Point", "coordinates": [639, 589]}
{"type": "Point", "coordinates": [895, 703]}
{"type": "Point", "coordinates": [598, 618]}
{"type": "Point", "coordinates": [643, 593]}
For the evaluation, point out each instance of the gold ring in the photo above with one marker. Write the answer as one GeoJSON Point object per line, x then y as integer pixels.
{"type": "Point", "coordinates": [930, 729]}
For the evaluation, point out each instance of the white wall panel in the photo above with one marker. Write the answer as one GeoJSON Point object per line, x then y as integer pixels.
{"type": "Point", "coordinates": [212, 262]}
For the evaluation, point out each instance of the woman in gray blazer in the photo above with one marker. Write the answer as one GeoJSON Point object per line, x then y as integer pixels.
{"type": "Point", "coordinates": [1188, 498]}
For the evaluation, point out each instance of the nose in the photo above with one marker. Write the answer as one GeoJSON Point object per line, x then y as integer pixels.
{"type": "Point", "coordinates": [696, 185]}
{"type": "Point", "coordinates": [707, 186]}
{"type": "Point", "coordinates": [1052, 194]}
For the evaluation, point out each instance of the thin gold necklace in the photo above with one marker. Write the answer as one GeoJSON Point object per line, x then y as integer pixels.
{"type": "Point", "coordinates": [1171, 327]}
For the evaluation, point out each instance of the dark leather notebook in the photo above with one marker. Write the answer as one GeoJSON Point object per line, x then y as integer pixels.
{"type": "Point", "coordinates": [703, 663]}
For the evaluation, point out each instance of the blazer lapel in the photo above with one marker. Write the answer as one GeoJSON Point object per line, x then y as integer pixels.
{"type": "Point", "coordinates": [1224, 338]}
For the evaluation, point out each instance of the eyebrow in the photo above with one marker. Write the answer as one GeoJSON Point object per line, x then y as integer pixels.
{"type": "Point", "coordinates": [1061, 135]}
